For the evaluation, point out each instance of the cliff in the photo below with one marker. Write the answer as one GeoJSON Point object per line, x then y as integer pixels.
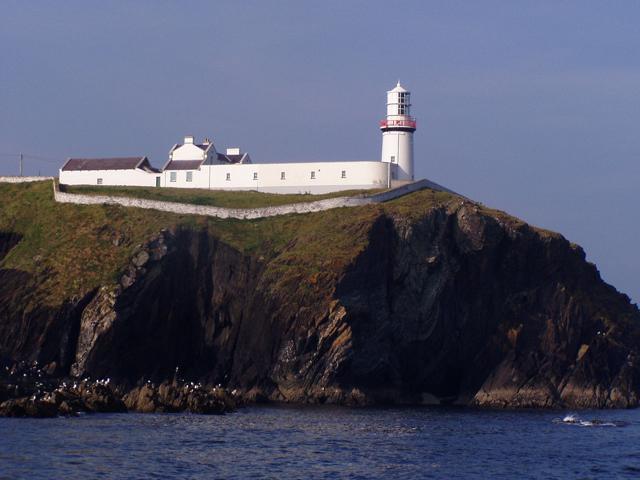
{"type": "Point", "coordinates": [430, 298]}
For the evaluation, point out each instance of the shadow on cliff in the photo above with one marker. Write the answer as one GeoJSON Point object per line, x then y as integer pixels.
{"type": "Point", "coordinates": [459, 308]}
{"type": "Point", "coordinates": [31, 331]}
{"type": "Point", "coordinates": [184, 303]}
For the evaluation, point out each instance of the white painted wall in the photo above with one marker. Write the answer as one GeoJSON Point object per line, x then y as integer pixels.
{"type": "Point", "coordinates": [132, 178]}
{"type": "Point", "coordinates": [189, 152]}
{"type": "Point", "coordinates": [297, 177]}
{"type": "Point", "coordinates": [397, 148]}
{"type": "Point", "coordinates": [267, 177]}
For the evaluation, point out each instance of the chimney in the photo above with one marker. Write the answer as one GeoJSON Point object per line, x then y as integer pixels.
{"type": "Point", "coordinates": [233, 151]}
{"type": "Point", "coordinates": [188, 139]}
{"type": "Point", "coordinates": [206, 141]}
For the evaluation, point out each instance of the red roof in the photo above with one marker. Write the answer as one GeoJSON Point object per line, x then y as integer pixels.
{"type": "Point", "coordinates": [117, 163]}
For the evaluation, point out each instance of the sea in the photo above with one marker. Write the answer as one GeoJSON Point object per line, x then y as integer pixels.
{"type": "Point", "coordinates": [326, 443]}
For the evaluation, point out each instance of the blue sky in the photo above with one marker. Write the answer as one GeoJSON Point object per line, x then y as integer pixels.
{"type": "Point", "coordinates": [530, 107]}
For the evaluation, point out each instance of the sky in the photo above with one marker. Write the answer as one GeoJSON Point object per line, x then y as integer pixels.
{"type": "Point", "coordinates": [529, 107]}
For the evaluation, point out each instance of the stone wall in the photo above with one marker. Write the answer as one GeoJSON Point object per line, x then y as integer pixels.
{"type": "Point", "coordinates": [406, 189]}
{"type": "Point", "coordinates": [245, 213]}
{"type": "Point", "coordinates": [23, 179]}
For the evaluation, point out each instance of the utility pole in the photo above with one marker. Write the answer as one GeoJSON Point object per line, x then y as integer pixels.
{"type": "Point", "coordinates": [388, 175]}
{"type": "Point", "coordinates": [21, 164]}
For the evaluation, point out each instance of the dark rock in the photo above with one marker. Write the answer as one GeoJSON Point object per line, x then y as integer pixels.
{"type": "Point", "coordinates": [457, 304]}
{"type": "Point", "coordinates": [172, 397]}
{"type": "Point", "coordinates": [51, 368]}
{"type": "Point", "coordinates": [143, 400]}
{"type": "Point", "coordinates": [67, 403]}
{"type": "Point", "coordinates": [27, 407]}
{"type": "Point", "coordinates": [8, 240]}
{"type": "Point", "coordinates": [100, 398]}
{"type": "Point", "coordinates": [126, 281]}
{"type": "Point", "coordinates": [141, 258]}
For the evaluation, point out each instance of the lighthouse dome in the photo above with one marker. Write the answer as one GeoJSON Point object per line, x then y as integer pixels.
{"type": "Point", "coordinates": [398, 89]}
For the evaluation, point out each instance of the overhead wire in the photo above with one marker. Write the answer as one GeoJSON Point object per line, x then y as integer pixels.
{"type": "Point", "coordinates": [31, 159]}
{"type": "Point", "coordinates": [32, 156]}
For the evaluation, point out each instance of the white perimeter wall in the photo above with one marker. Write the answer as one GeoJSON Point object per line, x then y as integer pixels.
{"type": "Point", "coordinates": [246, 213]}
{"type": "Point", "coordinates": [328, 177]}
{"type": "Point", "coordinates": [23, 179]}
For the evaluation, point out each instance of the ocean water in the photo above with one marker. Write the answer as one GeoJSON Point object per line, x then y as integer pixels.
{"type": "Point", "coordinates": [325, 442]}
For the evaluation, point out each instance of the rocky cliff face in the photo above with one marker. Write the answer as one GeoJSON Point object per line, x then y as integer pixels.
{"type": "Point", "coordinates": [455, 304]}
{"type": "Point", "coordinates": [30, 330]}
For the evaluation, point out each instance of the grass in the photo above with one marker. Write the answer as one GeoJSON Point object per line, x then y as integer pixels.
{"type": "Point", "coordinates": [216, 198]}
{"type": "Point", "coordinates": [413, 206]}
{"type": "Point", "coordinates": [70, 249]}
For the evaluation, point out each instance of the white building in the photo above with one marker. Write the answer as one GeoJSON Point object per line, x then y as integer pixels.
{"type": "Point", "coordinates": [193, 165]}
{"type": "Point", "coordinates": [125, 171]}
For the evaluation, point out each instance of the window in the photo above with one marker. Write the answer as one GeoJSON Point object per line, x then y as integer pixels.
{"type": "Point", "coordinates": [189, 176]}
{"type": "Point", "coordinates": [173, 176]}
{"type": "Point", "coordinates": [403, 103]}
{"type": "Point", "coordinates": [393, 159]}
{"type": "Point", "coordinates": [99, 181]}
{"type": "Point", "coordinates": [228, 177]}
{"type": "Point", "coordinates": [313, 175]}
{"type": "Point", "coordinates": [255, 175]}
{"type": "Point", "coordinates": [282, 176]}
{"type": "Point", "coordinates": [344, 174]}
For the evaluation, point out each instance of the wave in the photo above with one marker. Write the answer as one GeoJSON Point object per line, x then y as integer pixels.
{"type": "Point", "coordinates": [574, 419]}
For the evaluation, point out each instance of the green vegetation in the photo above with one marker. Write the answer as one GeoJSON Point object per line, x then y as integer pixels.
{"type": "Point", "coordinates": [70, 249]}
{"type": "Point", "coordinates": [216, 198]}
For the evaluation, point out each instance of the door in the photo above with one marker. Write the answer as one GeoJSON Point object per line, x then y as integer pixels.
{"type": "Point", "coordinates": [157, 181]}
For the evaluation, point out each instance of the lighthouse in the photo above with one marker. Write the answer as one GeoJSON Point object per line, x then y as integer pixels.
{"type": "Point", "coordinates": [397, 134]}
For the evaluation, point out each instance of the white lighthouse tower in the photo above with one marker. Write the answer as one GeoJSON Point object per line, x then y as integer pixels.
{"type": "Point", "coordinates": [397, 134]}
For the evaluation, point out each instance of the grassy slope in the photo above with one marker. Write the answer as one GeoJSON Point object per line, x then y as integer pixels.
{"type": "Point", "coordinates": [70, 248]}
{"type": "Point", "coordinates": [217, 198]}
